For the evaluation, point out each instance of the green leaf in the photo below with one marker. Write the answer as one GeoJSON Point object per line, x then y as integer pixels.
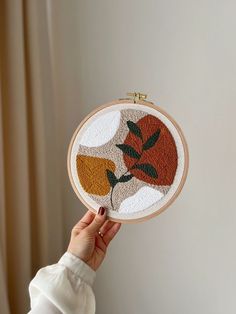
{"type": "Point", "coordinates": [111, 178]}
{"type": "Point", "coordinates": [148, 169]}
{"type": "Point", "coordinates": [129, 150]}
{"type": "Point", "coordinates": [126, 178]}
{"type": "Point", "coordinates": [151, 141]}
{"type": "Point", "coordinates": [135, 129]}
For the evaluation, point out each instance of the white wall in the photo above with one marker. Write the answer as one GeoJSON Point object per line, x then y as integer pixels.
{"type": "Point", "coordinates": [183, 54]}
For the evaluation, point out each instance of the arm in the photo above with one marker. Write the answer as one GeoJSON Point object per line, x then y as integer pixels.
{"type": "Point", "coordinates": [66, 287]}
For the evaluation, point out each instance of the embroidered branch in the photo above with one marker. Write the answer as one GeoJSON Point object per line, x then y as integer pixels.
{"type": "Point", "coordinates": [147, 168]}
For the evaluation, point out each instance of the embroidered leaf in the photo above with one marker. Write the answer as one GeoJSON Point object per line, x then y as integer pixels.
{"type": "Point", "coordinates": [135, 129]}
{"type": "Point", "coordinates": [126, 178]}
{"type": "Point", "coordinates": [148, 169]}
{"type": "Point", "coordinates": [129, 150]}
{"type": "Point", "coordinates": [111, 178]}
{"type": "Point", "coordinates": [163, 156]}
{"type": "Point", "coordinates": [151, 141]}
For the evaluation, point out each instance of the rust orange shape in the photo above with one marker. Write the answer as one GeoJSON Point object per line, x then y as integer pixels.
{"type": "Point", "coordinates": [92, 174]}
{"type": "Point", "coordinates": [162, 156]}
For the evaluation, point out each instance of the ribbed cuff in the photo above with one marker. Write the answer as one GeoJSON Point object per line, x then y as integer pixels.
{"type": "Point", "coordinates": [78, 267]}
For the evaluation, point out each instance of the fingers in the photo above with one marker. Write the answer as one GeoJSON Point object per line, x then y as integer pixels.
{"type": "Point", "coordinates": [83, 222]}
{"type": "Point", "coordinates": [98, 221]}
{"type": "Point", "coordinates": [110, 234]}
{"type": "Point", "coordinates": [88, 217]}
{"type": "Point", "coordinates": [100, 243]}
{"type": "Point", "coordinates": [106, 226]}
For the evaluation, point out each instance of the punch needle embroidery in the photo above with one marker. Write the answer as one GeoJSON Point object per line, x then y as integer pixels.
{"type": "Point", "coordinates": [149, 155]}
{"type": "Point", "coordinates": [136, 155]}
{"type": "Point", "coordinates": [130, 157]}
{"type": "Point", "coordinates": [158, 159]}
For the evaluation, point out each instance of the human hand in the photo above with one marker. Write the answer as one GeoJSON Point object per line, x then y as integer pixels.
{"type": "Point", "coordinates": [87, 242]}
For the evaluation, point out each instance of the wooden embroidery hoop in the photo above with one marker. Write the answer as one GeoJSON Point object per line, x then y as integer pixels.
{"type": "Point", "coordinates": [138, 98]}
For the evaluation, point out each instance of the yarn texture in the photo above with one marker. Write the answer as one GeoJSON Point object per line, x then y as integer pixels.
{"type": "Point", "coordinates": [127, 158]}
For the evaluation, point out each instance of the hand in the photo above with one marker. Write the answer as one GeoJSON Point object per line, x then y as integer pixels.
{"type": "Point", "coordinates": [86, 243]}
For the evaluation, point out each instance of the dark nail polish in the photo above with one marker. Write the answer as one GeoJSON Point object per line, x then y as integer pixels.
{"type": "Point", "coordinates": [101, 211]}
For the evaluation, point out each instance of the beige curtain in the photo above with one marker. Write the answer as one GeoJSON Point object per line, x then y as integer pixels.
{"type": "Point", "coordinates": [30, 213]}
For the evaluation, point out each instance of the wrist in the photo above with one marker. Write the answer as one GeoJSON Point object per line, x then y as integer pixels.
{"type": "Point", "coordinates": [79, 267]}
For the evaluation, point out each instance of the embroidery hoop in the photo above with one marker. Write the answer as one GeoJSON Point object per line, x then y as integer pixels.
{"type": "Point", "coordinates": [147, 104]}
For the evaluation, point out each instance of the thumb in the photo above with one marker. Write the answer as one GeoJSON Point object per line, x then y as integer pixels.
{"type": "Point", "coordinates": [97, 221]}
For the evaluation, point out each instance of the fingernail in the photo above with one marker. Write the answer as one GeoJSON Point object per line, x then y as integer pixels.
{"type": "Point", "coordinates": [101, 211]}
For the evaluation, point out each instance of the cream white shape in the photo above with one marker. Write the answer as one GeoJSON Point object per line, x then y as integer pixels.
{"type": "Point", "coordinates": [144, 198]}
{"type": "Point", "coordinates": [102, 130]}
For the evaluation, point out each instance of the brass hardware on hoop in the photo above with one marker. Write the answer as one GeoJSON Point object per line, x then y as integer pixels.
{"type": "Point", "coordinates": [137, 96]}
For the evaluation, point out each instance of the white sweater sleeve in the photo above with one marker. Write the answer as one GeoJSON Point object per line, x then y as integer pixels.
{"type": "Point", "coordinates": [65, 287]}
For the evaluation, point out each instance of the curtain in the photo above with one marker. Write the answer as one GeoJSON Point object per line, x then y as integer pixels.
{"type": "Point", "coordinates": [30, 212]}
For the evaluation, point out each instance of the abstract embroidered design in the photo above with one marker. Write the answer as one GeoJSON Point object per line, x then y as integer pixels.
{"type": "Point", "coordinates": [129, 162]}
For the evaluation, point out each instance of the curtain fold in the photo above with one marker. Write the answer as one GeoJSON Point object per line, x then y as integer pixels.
{"type": "Point", "coordinates": [3, 285]}
{"type": "Point", "coordinates": [31, 215]}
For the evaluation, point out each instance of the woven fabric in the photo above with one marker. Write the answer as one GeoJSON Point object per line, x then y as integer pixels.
{"type": "Point", "coordinates": [126, 160]}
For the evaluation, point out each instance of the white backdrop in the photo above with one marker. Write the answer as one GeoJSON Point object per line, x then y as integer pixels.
{"type": "Point", "coordinates": [182, 53]}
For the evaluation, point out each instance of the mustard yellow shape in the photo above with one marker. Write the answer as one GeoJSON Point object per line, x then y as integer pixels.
{"type": "Point", "coordinates": [92, 174]}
